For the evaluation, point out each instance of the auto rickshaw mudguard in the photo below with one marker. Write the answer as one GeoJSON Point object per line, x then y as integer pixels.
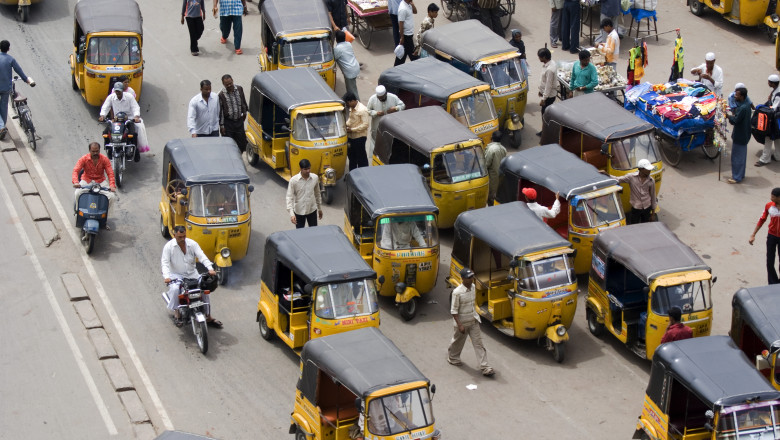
{"type": "Point", "coordinates": [644, 428]}
{"type": "Point", "coordinates": [770, 23]}
{"type": "Point", "coordinates": [407, 295]}
{"type": "Point", "coordinates": [509, 125]}
{"type": "Point", "coordinates": [222, 262]}
{"type": "Point", "coordinates": [269, 317]}
{"type": "Point", "coordinates": [597, 308]}
{"type": "Point", "coordinates": [552, 334]}
{"type": "Point", "coordinates": [300, 422]}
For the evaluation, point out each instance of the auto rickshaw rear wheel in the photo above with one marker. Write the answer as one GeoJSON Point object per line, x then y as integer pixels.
{"type": "Point", "coordinates": [252, 157]}
{"type": "Point", "coordinates": [596, 328]}
{"type": "Point", "coordinates": [266, 334]}
{"type": "Point", "coordinates": [164, 228]}
{"type": "Point", "coordinates": [73, 81]}
{"type": "Point", "coordinates": [408, 309]}
{"type": "Point", "coordinates": [558, 352]}
{"type": "Point", "coordinates": [697, 8]}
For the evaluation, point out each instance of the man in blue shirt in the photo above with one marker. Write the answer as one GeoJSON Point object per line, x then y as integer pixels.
{"type": "Point", "coordinates": [8, 65]}
{"type": "Point", "coordinates": [348, 63]}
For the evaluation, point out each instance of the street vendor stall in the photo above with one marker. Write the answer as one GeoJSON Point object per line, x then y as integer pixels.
{"type": "Point", "coordinates": [367, 16]}
{"type": "Point", "coordinates": [610, 82]}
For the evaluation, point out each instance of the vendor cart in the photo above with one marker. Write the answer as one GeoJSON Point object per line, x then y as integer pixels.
{"type": "Point", "coordinates": [368, 16]}
{"type": "Point", "coordinates": [610, 82]}
{"type": "Point", "coordinates": [457, 10]}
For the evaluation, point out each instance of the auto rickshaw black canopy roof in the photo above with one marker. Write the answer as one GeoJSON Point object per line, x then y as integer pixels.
{"type": "Point", "coordinates": [649, 250]}
{"type": "Point", "coordinates": [318, 255]}
{"type": "Point", "coordinates": [424, 129]}
{"type": "Point", "coordinates": [293, 16]}
{"type": "Point", "coordinates": [466, 41]}
{"type": "Point", "coordinates": [362, 360]}
{"type": "Point", "coordinates": [390, 189]}
{"type": "Point", "coordinates": [760, 309]}
{"type": "Point", "coordinates": [556, 169]}
{"type": "Point", "coordinates": [596, 115]}
{"type": "Point", "coordinates": [291, 88]}
{"type": "Point", "coordinates": [108, 15]}
{"type": "Point", "coordinates": [714, 369]}
{"type": "Point", "coordinates": [511, 228]}
{"type": "Point", "coordinates": [429, 77]}
{"type": "Point", "coordinates": [205, 160]}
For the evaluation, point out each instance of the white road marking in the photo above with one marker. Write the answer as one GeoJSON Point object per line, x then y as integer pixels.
{"type": "Point", "coordinates": [59, 314]}
{"type": "Point", "coordinates": [66, 222]}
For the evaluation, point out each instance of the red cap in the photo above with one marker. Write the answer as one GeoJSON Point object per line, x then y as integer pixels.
{"type": "Point", "coordinates": [530, 193]}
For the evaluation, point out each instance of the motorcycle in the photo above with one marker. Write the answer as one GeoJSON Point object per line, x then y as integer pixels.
{"type": "Point", "coordinates": [192, 308]}
{"type": "Point", "coordinates": [119, 145]}
{"type": "Point", "coordinates": [91, 214]}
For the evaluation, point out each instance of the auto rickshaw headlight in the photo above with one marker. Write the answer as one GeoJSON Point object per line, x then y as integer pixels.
{"type": "Point", "coordinates": [330, 173]}
{"type": "Point", "coordinates": [561, 330]}
{"type": "Point", "coordinates": [225, 252]}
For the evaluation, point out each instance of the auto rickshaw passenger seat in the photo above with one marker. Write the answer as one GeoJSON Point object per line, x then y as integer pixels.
{"type": "Point", "coordinates": [595, 158]}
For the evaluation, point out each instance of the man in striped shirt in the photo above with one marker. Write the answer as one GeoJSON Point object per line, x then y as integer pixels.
{"type": "Point", "coordinates": [771, 211]}
{"type": "Point", "coordinates": [232, 112]}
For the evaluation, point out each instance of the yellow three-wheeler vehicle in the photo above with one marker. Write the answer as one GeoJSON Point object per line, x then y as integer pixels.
{"type": "Point", "coordinates": [762, 13]}
{"type": "Point", "coordinates": [358, 384]}
{"type": "Point", "coordinates": [294, 115]}
{"type": "Point", "coordinates": [755, 328]}
{"type": "Point", "coordinates": [605, 135]}
{"type": "Point", "coordinates": [449, 155]}
{"type": "Point", "coordinates": [705, 388]}
{"type": "Point", "coordinates": [107, 41]}
{"type": "Point", "coordinates": [314, 284]}
{"type": "Point", "coordinates": [591, 199]}
{"type": "Point", "coordinates": [206, 188]}
{"type": "Point", "coordinates": [22, 7]}
{"type": "Point", "coordinates": [390, 218]}
{"type": "Point", "coordinates": [639, 272]}
{"type": "Point", "coordinates": [525, 281]}
{"type": "Point", "coordinates": [429, 81]}
{"type": "Point", "coordinates": [473, 48]}
{"type": "Point", "coordinates": [297, 34]}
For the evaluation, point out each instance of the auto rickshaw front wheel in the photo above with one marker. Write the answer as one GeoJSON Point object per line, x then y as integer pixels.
{"type": "Point", "coordinates": [596, 328]}
{"type": "Point", "coordinates": [408, 309]}
{"type": "Point", "coordinates": [327, 197]}
{"type": "Point", "coordinates": [558, 352]}
{"type": "Point", "coordinates": [24, 13]}
{"type": "Point", "coordinates": [251, 156]}
{"type": "Point", "coordinates": [223, 273]}
{"type": "Point", "coordinates": [265, 332]}
{"type": "Point", "coordinates": [299, 434]}
{"type": "Point", "coordinates": [697, 8]}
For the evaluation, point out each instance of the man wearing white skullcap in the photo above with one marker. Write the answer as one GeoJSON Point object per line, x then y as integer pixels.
{"type": "Point", "coordinates": [733, 101]}
{"type": "Point", "coordinates": [710, 74]}
{"type": "Point", "coordinates": [772, 139]}
{"type": "Point", "coordinates": [379, 105]}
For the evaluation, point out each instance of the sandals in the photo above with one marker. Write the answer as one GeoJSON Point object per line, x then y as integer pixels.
{"type": "Point", "coordinates": [178, 322]}
{"type": "Point", "coordinates": [214, 323]}
{"type": "Point", "coordinates": [489, 371]}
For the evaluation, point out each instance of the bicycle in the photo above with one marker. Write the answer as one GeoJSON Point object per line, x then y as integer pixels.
{"type": "Point", "coordinates": [23, 114]}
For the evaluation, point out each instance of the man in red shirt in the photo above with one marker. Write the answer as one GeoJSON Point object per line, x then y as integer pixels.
{"type": "Point", "coordinates": [771, 210]}
{"type": "Point", "coordinates": [95, 166]}
{"type": "Point", "coordinates": [677, 330]}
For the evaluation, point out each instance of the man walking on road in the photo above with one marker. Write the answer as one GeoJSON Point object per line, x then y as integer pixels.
{"type": "Point", "coordinates": [494, 153]}
{"type": "Point", "coordinates": [8, 65]}
{"type": "Point", "coordinates": [464, 313]}
{"type": "Point", "coordinates": [406, 11]}
{"type": "Point", "coordinates": [203, 112]}
{"type": "Point", "coordinates": [230, 14]}
{"type": "Point", "coordinates": [548, 85]}
{"type": "Point", "coordinates": [232, 114]}
{"type": "Point", "coordinates": [194, 11]}
{"type": "Point", "coordinates": [771, 211]}
{"type": "Point", "coordinates": [304, 202]}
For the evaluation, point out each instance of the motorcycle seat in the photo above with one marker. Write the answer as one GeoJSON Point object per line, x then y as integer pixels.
{"type": "Point", "coordinates": [20, 98]}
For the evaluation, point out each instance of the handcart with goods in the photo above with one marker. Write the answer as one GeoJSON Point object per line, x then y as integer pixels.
{"type": "Point", "coordinates": [610, 82]}
{"type": "Point", "coordinates": [367, 16]}
{"type": "Point", "coordinates": [457, 10]}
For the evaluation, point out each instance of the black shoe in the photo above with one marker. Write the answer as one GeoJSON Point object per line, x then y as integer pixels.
{"type": "Point", "coordinates": [539, 133]}
{"type": "Point", "coordinates": [3, 133]}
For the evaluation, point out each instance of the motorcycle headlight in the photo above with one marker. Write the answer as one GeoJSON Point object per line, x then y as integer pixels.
{"type": "Point", "coordinates": [225, 253]}
{"type": "Point", "coordinates": [561, 331]}
{"type": "Point", "coordinates": [330, 173]}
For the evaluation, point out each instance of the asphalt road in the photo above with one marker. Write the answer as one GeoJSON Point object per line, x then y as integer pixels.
{"type": "Point", "coordinates": [244, 388]}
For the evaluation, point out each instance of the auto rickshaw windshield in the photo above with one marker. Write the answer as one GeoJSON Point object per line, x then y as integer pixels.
{"type": "Point", "coordinates": [689, 297]}
{"type": "Point", "coordinates": [402, 412]}
{"type": "Point", "coordinates": [345, 300]}
{"type": "Point", "coordinates": [547, 273]}
{"type": "Point", "coordinates": [113, 50]}
{"type": "Point", "coordinates": [503, 73]}
{"type": "Point", "coordinates": [218, 200]}
{"type": "Point", "coordinates": [306, 51]}
{"type": "Point", "coordinates": [597, 211]}
{"type": "Point", "coordinates": [474, 109]}
{"type": "Point", "coordinates": [319, 126]}
{"type": "Point", "coordinates": [408, 232]}
{"type": "Point", "coordinates": [754, 422]}
{"type": "Point", "coordinates": [459, 166]}
{"type": "Point", "coordinates": [627, 152]}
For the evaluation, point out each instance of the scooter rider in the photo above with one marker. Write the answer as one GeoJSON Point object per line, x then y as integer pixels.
{"type": "Point", "coordinates": [178, 261]}
{"type": "Point", "coordinates": [122, 102]}
{"type": "Point", "coordinates": [93, 168]}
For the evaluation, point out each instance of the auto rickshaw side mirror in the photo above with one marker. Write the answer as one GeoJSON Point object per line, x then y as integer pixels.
{"type": "Point", "coordinates": [251, 188]}
{"type": "Point", "coordinates": [605, 150]}
{"type": "Point", "coordinates": [433, 389]}
{"type": "Point", "coordinates": [284, 128]}
{"type": "Point", "coordinates": [184, 191]}
{"type": "Point", "coordinates": [381, 279]}
{"type": "Point", "coordinates": [359, 404]}
{"type": "Point", "coordinates": [308, 289]}
{"type": "Point", "coordinates": [709, 415]}
{"type": "Point", "coordinates": [645, 290]}
{"type": "Point", "coordinates": [513, 264]}
{"type": "Point", "coordinates": [426, 167]}
{"type": "Point", "coordinates": [714, 280]}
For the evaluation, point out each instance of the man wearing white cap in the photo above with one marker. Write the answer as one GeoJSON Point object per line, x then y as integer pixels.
{"type": "Point", "coordinates": [642, 198]}
{"type": "Point", "coordinates": [772, 139]}
{"type": "Point", "coordinates": [710, 74]}
{"type": "Point", "coordinates": [732, 101]}
{"type": "Point", "coordinates": [380, 104]}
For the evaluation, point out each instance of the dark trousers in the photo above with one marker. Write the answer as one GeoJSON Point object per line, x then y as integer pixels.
{"type": "Point", "coordinates": [300, 220]}
{"type": "Point", "coordinates": [235, 130]}
{"type": "Point", "coordinates": [214, 133]}
{"type": "Point", "coordinates": [639, 216]}
{"type": "Point", "coordinates": [772, 248]}
{"type": "Point", "coordinates": [396, 31]}
{"type": "Point", "coordinates": [570, 25]}
{"type": "Point", "coordinates": [195, 26]}
{"type": "Point", "coordinates": [490, 17]}
{"type": "Point", "coordinates": [547, 102]}
{"type": "Point", "coordinates": [356, 153]}
{"type": "Point", "coordinates": [236, 21]}
{"type": "Point", "coordinates": [408, 50]}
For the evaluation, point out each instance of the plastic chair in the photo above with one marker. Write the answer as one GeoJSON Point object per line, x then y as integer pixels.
{"type": "Point", "coordinates": [640, 14]}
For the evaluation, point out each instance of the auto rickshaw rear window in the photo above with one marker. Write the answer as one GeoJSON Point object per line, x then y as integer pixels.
{"type": "Point", "coordinates": [686, 410]}
{"type": "Point", "coordinates": [627, 152]}
{"type": "Point", "coordinates": [305, 52]}
{"type": "Point", "coordinates": [401, 153]}
{"type": "Point", "coordinates": [113, 50]}
{"type": "Point", "coordinates": [398, 413]}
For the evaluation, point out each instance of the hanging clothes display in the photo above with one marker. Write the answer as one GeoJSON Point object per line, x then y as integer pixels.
{"type": "Point", "coordinates": [677, 64]}
{"type": "Point", "coordinates": [637, 60]}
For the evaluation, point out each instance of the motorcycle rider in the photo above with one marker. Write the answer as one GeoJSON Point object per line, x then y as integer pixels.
{"type": "Point", "coordinates": [178, 261]}
{"type": "Point", "coordinates": [92, 168]}
{"type": "Point", "coordinates": [122, 102]}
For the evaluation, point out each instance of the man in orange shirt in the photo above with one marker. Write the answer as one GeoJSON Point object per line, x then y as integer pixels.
{"type": "Point", "coordinates": [95, 167]}
{"type": "Point", "coordinates": [611, 47]}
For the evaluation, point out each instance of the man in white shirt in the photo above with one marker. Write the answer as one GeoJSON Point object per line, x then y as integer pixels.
{"type": "Point", "coordinates": [203, 112]}
{"type": "Point", "coordinates": [710, 74]}
{"type": "Point", "coordinates": [178, 262]}
{"type": "Point", "coordinates": [406, 11]}
{"type": "Point", "coordinates": [400, 234]}
{"type": "Point", "coordinates": [122, 102]}
{"type": "Point", "coordinates": [547, 88]}
{"type": "Point", "coordinates": [304, 202]}
{"type": "Point", "coordinates": [539, 210]}
{"type": "Point", "coordinates": [380, 104]}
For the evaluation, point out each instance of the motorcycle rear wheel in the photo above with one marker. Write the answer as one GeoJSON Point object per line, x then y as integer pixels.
{"type": "Point", "coordinates": [200, 329]}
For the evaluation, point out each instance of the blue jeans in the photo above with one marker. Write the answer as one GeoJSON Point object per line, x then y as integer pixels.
{"type": "Point", "coordinates": [4, 108]}
{"type": "Point", "coordinates": [738, 159]}
{"type": "Point", "coordinates": [238, 28]}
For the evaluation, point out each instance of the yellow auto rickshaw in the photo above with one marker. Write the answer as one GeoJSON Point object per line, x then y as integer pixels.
{"type": "Point", "coordinates": [705, 388]}
{"type": "Point", "coordinates": [107, 42]}
{"type": "Point", "coordinates": [296, 34]}
{"type": "Point", "coordinates": [638, 274]}
{"type": "Point", "coordinates": [294, 115]}
{"type": "Point", "coordinates": [763, 13]}
{"type": "Point", "coordinates": [314, 284]}
{"type": "Point", "coordinates": [755, 328]}
{"type": "Point", "coordinates": [358, 384]}
{"type": "Point", "coordinates": [449, 155]}
{"type": "Point", "coordinates": [590, 201]}
{"type": "Point", "coordinates": [475, 49]}
{"type": "Point", "coordinates": [205, 187]}
{"type": "Point", "coordinates": [605, 135]}
{"type": "Point", "coordinates": [22, 7]}
{"type": "Point", "coordinates": [525, 281]}
{"type": "Point", "coordinates": [430, 82]}
{"type": "Point", "coordinates": [390, 218]}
